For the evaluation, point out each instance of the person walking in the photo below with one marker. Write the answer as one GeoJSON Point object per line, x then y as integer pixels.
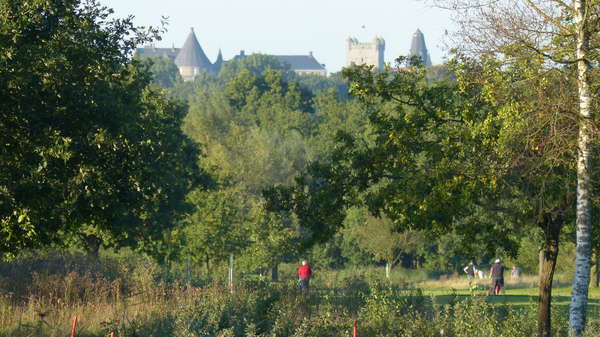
{"type": "Point", "coordinates": [304, 274]}
{"type": "Point", "coordinates": [470, 270]}
{"type": "Point", "coordinates": [497, 277]}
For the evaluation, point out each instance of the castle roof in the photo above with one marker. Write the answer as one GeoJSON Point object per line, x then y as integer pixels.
{"type": "Point", "coordinates": [418, 48]}
{"type": "Point", "coordinates": [301, 62]}
{"type": "Point", "coordinates": [152, 52]}
{"type": "Point", "coordinates": [191, 54]}
{"type": "Point", "coordinates": [216, 67]}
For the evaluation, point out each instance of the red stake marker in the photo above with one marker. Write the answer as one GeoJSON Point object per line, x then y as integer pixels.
{"type": "Point", "coordinates": [355, 328]}
{"type": "Point", "coordinates": [74, 326]}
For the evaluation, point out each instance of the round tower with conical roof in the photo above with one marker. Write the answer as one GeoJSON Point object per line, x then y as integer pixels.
{"type": "Point", "coordinates": [191, 58]}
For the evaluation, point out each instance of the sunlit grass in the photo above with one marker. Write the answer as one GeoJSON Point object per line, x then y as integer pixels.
{"type": "Point", "coordinates": [523, 292]}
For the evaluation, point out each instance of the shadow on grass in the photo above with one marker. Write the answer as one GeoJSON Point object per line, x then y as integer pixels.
{"type": "Point", "coordinates": [516, 301]}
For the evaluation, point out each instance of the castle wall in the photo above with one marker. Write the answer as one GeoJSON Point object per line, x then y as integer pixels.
{"type": "Point", "coordinates": [370, 53]}
{"type": "Point", "coordinates": [188, 73]}
{"type": "Point", "coordinates": [321, 72]}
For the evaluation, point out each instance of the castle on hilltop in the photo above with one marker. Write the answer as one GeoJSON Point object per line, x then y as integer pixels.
{"type": "Point", "coordinates": [372, 53]}
{"type": "Point", "coordinates": [191, 59]}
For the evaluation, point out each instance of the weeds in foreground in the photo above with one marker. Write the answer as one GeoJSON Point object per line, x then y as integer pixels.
{"type": "Point", "coordinates": [133, 301]}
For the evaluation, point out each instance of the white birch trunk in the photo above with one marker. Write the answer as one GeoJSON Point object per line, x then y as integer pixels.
{"type": "Point", "coordinates": [577, 310]}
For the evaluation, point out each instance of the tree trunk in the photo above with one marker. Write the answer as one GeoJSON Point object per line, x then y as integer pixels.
{"type": "Point", "coordinates": [581, 280]}
{"type": "Point", "coordinates": [92, 245]}
{"type": "Point", "coordinates": [207, 264]}
{"type": "Point", "coordinates": [548, 256]}
{"type": "Point", "coordinates": [540, 261]}
{"type": "Point", "coordinates": [275, 272]}
{"type": "Point", "coordinates": [597, 271]}
{"type": "Point", "coordinates": [188, 272]}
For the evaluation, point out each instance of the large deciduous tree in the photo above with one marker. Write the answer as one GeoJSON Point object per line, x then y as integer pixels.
{"type": "Point", "coordinates": [533, 153]}
{"type": "Point", "coordinates": [483, 158]}
{"type": "Point", "coordinates": [89, 151]}
{"type": "Point", "coordinates": [561, 32]}
{"type": "Point", "coordinates": [415, 164]}
{"type": "Point", "coordinates": [255, 129]}
{"type": "Point", "coordinates": [379, 237]}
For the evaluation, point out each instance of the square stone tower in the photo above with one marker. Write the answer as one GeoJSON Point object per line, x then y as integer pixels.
{"type": "Point", "coordinates": [370, 53]}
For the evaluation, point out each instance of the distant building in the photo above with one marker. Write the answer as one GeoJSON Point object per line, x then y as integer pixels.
{"type": "Point", "coordinates": [300, 64]}
{"type": "Point", "coordinates": [151, 51]}
{"type": "Point", "coordinates": [303, 64]}
{"type": "Point", "coordinates": [190, 59]}
{"type": "Point", "coordinates": [418, 48]}
{"type": "Point", "coordinates": [370, 53]}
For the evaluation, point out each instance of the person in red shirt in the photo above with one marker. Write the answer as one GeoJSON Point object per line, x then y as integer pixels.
{"type": "Point", "coordinates": [304, 274]}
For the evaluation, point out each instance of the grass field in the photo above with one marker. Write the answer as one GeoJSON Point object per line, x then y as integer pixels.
{"type": "Point", "coordinates": [522, 294]}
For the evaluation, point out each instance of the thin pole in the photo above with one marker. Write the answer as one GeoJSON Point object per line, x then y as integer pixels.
{"type": "Point", "coordinates": [188, 276]}
{"type": "Point", "coordinates": [230, 276]}
{"type": "Point", "coordinates": [355, 328]}
{"type": "Point", "coordinates": [74, 326]}
{"type": "Point", "coordinates": [387, 270]}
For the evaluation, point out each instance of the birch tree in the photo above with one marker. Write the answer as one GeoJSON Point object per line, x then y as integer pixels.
{"type": "Point", "coordinates": [560, 31]}
{"type": "Point", "coordinates": [583, 12]}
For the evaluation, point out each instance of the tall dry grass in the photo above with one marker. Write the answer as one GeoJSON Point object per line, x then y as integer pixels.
{"type": "Point", "coordinates": [41, 296]}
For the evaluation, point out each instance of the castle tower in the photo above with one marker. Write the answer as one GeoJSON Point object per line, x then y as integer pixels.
{"type": "Point", "coordinates": [191, 58]}
{"type": "Point", "coordinates": [218, 63]}
{"type": "Point", "coordinates": [370, 53]}
{"type": "Point", "coordinates": [418, 48]}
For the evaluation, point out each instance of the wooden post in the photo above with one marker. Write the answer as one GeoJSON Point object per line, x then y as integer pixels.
{"type": "Point", "coordinates": [230, 274]}
{"type": "Point", "coordinates": [188, 273]}
{"type": "Point", "coordinates": [388, 267]}
{"type": "Point", "coordinates": [74, 326]}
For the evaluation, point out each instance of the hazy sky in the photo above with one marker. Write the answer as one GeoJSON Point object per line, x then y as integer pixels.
{"type": "Point", "coordinates": [283, 27]}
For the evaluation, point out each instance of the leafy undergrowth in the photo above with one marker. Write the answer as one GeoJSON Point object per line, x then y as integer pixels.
{"type": "Point", "coordinates": [131, 300]}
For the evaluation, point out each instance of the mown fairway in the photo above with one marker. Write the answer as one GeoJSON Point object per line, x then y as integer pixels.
{"type": "Point", "coordinates": [515, 294]}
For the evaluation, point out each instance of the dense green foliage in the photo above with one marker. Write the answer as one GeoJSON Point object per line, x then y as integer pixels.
{"type": "Point", "coordinates": [258, 129]}
{"type": "Point", "coordinates": [421, 145]}
{"type": "Point", "coordinates": [416, 162]}
{"type": "Point", "coordinates": [90, 154]}
{"type": "Point", "coordinates": [165, 73]}
{"type": "Point", "coordinates": [486, 156]}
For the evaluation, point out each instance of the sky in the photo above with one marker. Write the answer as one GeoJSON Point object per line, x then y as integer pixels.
{"type": "Point", "coordinates": [283, 27]}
